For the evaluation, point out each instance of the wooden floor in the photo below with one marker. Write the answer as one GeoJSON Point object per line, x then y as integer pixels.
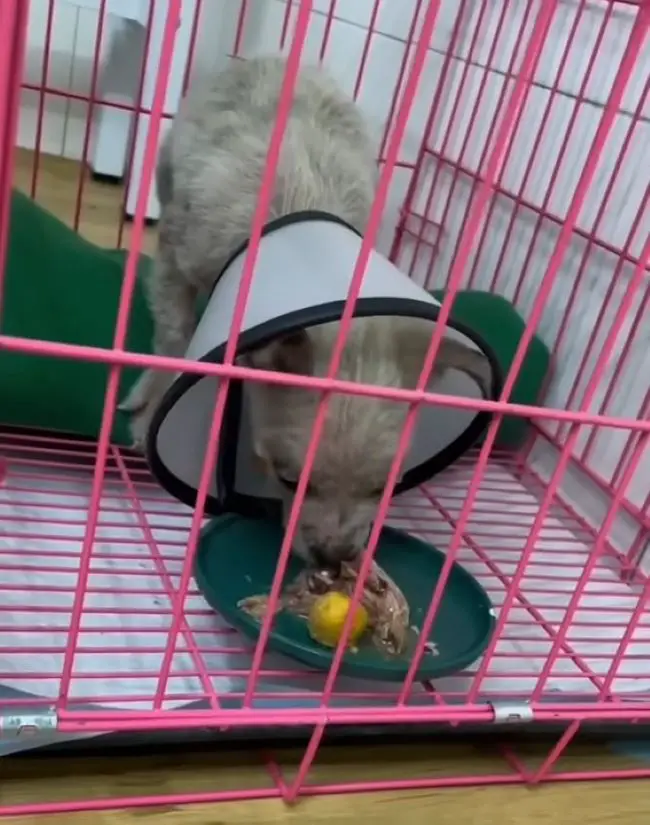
{"type": "Point", "coordinates": [56, 780]}
{"type": "Point", "coordinates": [58, 182]}
{"type": "Point", "coordinates": [591, 803]}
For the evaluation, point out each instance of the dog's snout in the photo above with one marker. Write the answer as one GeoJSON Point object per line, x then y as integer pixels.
{"type": "Point", "coordinates": [331, 556]}
{"type": "Point", "coordinates": [320, 556]}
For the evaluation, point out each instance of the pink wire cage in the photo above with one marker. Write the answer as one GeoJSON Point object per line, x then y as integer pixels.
{"type": "Point", "coordinates": [511, 161]}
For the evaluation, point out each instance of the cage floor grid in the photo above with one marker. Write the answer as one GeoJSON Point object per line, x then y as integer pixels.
{"type": "Point", "coordinates": [137, 559]}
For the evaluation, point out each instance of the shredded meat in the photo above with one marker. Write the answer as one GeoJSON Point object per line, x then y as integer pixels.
{"type": "Point", "coordinates": [388, 611]}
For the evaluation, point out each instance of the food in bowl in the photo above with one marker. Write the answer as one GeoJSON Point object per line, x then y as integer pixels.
{"type": "Point", "coordinates": [387, 614]}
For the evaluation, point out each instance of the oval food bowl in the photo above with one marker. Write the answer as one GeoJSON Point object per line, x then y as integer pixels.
{"type": "Point", "coordinates": [236, 558]}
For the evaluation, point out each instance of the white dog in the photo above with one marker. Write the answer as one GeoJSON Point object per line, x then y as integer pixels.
{"type": "Point", "coordinates": [208, 180]}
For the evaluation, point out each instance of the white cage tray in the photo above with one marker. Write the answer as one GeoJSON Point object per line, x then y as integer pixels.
{"type": "Point", "coordinates": [137, 558]}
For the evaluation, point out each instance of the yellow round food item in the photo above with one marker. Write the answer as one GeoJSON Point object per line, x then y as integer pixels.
{"type": "Point", "coordinates": [327, 616]}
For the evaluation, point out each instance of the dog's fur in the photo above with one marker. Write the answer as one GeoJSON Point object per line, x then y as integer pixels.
{"type": "Point", "coordinates": [208, 178]}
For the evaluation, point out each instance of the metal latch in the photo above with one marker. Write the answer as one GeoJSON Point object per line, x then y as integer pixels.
{"type": "Point", "coordinates": [28, 724]}
{"type": "Point", "coordinates": [511, 713]}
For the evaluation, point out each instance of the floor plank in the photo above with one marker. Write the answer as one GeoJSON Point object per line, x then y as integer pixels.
{"type": "Point", "coordinates": [30, 781]}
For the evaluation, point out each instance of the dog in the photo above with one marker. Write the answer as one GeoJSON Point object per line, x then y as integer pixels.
{"type": "Point", "coordinates": [208, 177]}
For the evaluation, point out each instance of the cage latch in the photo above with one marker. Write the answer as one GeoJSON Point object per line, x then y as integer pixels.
{"type": "Point", "coordinates": [512, 713]}
{"type": "Point", "coordinates": [28, 724]}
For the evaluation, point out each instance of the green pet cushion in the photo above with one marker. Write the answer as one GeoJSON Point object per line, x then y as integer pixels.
{"type": "Point", "coordinates": [499, 324]}
{"type": "Point", "coordinates": [59, 287]}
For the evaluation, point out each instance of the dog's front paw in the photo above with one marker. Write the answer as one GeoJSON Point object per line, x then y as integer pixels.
{"type": "Point", "coordinates": [139, 427]}
{"type": "Point", "coordinates": [141, 403]}
{"type": "Point", "coordinates": [140, 393]}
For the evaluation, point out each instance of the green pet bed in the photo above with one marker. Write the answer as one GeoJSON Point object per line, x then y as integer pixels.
{"type": "Point", "coordinates": [499, 324]}
{"type": "Point", "coordinates": [59, 287]}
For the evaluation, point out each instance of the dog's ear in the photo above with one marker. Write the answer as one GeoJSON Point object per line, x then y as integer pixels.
{"type": "Point", "coordinates": [291, 353]}
{"type": "Point", "coordinates": [412, 343]}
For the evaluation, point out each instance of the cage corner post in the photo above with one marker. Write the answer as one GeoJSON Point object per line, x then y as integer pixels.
{"type": "Point", "coordinates": [14, 16]}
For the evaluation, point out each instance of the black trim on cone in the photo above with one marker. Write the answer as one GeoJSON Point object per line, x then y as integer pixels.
{"type": "Point", "coordinates": [251, 339]}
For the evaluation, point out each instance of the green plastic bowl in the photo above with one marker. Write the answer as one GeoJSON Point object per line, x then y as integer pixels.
{"type": "Point", "coordinates": [236, 558]}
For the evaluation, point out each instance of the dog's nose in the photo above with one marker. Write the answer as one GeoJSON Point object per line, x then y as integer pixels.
{"type": "Point", "coordinates": [321, 557]}
{"type": "Point", "coordinates": [331, 557]}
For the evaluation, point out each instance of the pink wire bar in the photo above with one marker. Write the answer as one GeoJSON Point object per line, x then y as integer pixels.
{"type": "Point", "coordinates": [452, 127]}
{"type": "Point", "coordinates": [128, 284]}
{"type": "Point", "coordinates": [584, 578]}
{"type": "Point", "coordinates": [92, 102]}
{"type": "Point", "coordinates": [197, 657]}
{"type": "Point", "coordinates": [107, 721]}
{"type": "Point", "coordinates": [530, 166]}
{"type": "Point", "coordinates": [632, 628]}
{"type": "Point", "coordinates": [248, 269]}
{"type": "Point", "coordinates": [361, 264]}
{"type": "Point", "coordinates": [38, 460]}
{"type": "Point", "coordinates": [397, 91]}
{"type": "Point", "coordinates": [549, 497]}
{"type": "Point", "coordinates": [419, 172]}
{"type": "Point", "coordinates": [550, 190]}
{"type": "Point", "coordinates": [372, 23]}
{"type": "Point", "coordinates": [13, 37]}
{"type": "Point", "coordinates": [47, 48]}
{"type": "Point", "coordinates": [130, 359]}
{"type": "Point", "coordinates": [513, 527]}
{"type": "Point", "coordinates": [134, 130]}
{"type": "Point", "coordinates": [393, 476]}
{"type": "Point", "coordinates": [529, 62]}
{"type": "Point", "coordinates": [618, 88]}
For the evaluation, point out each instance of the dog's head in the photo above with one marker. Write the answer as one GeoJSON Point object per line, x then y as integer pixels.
{"type": "Point", "coordinates": [360, 434]}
